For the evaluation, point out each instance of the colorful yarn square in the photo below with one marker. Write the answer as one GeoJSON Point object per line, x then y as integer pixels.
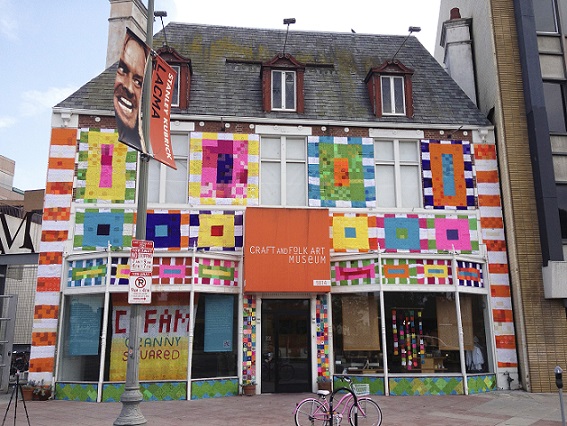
{"type": "Point", "coordinates": [452, 234]}
{"type": "Point", "coordinates": [402, 233]}
{"type": "Point", "coordinates": [96, 228]}
{"type": "Point", "coordinates": [341, 171]}
{"type": "Point", "coordinates": [106, 168]}
{"type": "Point", "coordinates": [224, 168]}
{"type": "Point", "coordinates": [85, 273]}
{"type": "Point", "coordinates": [164, 229]}
{"type": "Point", "coordinates": [353, 232]}
{"type": "Point", "coordinates": [216, 272]}
{"type": "Point", "coordinates": [469, 274]}
{"type": "Point", "coordinates": [447, 174]}
{"type": "Point", "coordinates": [171, 270]}
{"type": "Point", "coordinates": [216, 230]}
{"type": "Point", "coordinates": [353, 272]}
{"type": "Point", "coordinates": [119, 270]}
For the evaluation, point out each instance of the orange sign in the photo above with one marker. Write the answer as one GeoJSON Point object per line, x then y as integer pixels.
{"type": "Point", "coordinates": [163, 81]}
{"type": "Point", "coordinates": [287, 250]}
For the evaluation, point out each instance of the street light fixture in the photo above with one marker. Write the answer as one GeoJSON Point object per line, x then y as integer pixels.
{"type": "Point", "coordinates": [411, 30]}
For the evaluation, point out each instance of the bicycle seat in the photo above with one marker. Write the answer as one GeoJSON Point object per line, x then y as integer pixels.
{"type": "Point", "coordinates": [323, 392]}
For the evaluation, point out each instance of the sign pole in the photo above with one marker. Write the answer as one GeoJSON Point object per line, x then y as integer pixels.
{"type": "Point", "coordinates": [131, 397]}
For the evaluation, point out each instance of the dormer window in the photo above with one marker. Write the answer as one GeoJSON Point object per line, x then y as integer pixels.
{"type": "Point", "coordinates": [390, 89]}
{"type": "Point", "coordinates": [175, 96]}
{"type": "Point", "coordinates": [283, 90]}
{"type": "Point", "coordinates": [182, 85]}
{"type": "Point", "coordinates": [282, 84]}
{"type": "Point", "coordinates": [393, 97]}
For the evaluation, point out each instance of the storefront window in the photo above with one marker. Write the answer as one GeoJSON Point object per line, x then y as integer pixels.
{"type": "Point", "coordinates": [214, 344]}
{"type": "Point", "coordinates": [356, 333]}
{"type": "Point", "coordinates": [422, 333]}
{"type": "Point", "coordinates": [164, 337]}
{"type": "Point", "coordinates": [80, 355]}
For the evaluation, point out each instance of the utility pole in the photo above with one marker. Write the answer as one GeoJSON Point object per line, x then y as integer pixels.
{"type": "Point", "coordinates": [131, 398]}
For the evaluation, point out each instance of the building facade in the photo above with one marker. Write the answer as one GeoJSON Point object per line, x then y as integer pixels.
{"type": "Point", "coordinates": [335, 210]}
{"type": "Point", "coordinates": [514, 51]}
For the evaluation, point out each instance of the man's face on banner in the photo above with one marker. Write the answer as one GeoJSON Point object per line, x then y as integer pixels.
{"type": "Point", "coordinates": [128, 83]}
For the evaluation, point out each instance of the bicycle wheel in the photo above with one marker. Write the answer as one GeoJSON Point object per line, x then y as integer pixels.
{"type": "Point", "coordinates": [311, 412]}
{"type": "Point", "coordinates": [368, 411]}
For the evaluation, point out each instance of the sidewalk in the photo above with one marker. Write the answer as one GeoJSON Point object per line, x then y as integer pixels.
{"type": "Point", "coordinates": [496, 408]}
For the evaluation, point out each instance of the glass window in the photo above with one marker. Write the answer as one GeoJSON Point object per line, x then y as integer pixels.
{"type": "Point", "coordinates": [164, 337]}
{"type": "Point", "coordinates": [562, 203]}
{"type": "Point", "coordinates": [167, 185]}
{"type": "Point", "coordinates": [215, 341]}
{"type": "Point", "coordinates": [393, 98]}
{"type": "Point", "coordinates": [283, 90]}
{"type": "Point", "coordinates": [422, 332]}
{"type": "Point", "coordinates": [545, 16]}
{"type": "Point", "coordinates": [80, 355]}
{"type": "Point", "coordinates": [356, 333]}
{"type": "Point", "coordinates": [398, 175]}
{"type": "Point", "coordinates": [554, 106]}
{"type": "Point", "coordinates": [175, 95]}
{"type": "Point", "coordinates": [283, 171]}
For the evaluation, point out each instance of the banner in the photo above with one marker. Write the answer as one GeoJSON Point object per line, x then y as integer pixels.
{"type": "Point", "coordinates": [163, 81]}
{"type": "Point", "coordinates": [164, 337]}
{"type": "Point", "coordinates": [128, 86]}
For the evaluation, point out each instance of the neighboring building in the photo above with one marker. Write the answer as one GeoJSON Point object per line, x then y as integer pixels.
{"type": "Point", "coordinates": [514, 53]}
{"type": "Point", "coordinates": [7, 190]}
{"type": "Point", "coordinates": [333, 211]}
{"type": "Point", "coordinates": [20, 233]}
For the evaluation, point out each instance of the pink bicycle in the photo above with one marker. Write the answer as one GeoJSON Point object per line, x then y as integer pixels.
{"type": "Point", "coordinates": [320, 411]}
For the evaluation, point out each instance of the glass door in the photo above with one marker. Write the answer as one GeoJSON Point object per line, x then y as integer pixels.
{"type": "Point", "coordinates": [286, 346]}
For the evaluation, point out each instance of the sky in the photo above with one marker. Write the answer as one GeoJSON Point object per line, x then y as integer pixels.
{"type": "Point", "coordinates": [51, 48]}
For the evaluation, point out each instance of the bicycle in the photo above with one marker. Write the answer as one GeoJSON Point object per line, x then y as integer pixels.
{"type": "Point", "coordinates": [317, 411]}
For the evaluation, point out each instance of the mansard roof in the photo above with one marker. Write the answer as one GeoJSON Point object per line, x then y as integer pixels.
{"type": "Point", "coordinates": [226, 64]}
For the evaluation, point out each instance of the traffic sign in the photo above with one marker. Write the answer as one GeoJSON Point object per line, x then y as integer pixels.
{"type": "Point", "coordinates": [141, 264]}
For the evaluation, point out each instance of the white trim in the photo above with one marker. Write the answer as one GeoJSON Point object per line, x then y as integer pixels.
{"type": "Point", "coordinates": [264, 129]}
{"type": "Point", "coordinates": [396, 134]}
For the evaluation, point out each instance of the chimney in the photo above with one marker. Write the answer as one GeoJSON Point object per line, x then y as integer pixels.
{"type": "Point", "coordinates": [124, 14]}
{"type": "Point", "coordinates": [458, 60]}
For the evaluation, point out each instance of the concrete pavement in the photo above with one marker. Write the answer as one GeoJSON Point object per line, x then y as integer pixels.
{"type": "Point", "coordinates": [499, 408]}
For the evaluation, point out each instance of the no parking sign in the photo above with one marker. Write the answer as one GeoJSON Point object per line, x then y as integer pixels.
{"type": "Point", "coordinates": [141, 264]}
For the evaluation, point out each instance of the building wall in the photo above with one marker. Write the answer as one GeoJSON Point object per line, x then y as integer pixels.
{"type": "Point", "coordinates": [74, 192]}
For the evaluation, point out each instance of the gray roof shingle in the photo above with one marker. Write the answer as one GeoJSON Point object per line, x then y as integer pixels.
{"type": "Point", "coordinates": [336, 66]}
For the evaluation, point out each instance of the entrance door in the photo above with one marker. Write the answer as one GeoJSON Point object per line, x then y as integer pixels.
{"type": "Point", "coordinates": [286, 354]}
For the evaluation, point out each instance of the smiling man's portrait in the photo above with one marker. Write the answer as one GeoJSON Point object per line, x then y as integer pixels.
{"type": "Point", "coordinates": [128, 90]}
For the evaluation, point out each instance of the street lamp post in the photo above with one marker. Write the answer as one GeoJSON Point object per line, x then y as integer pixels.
{"type": "Point", "coordinates": [131, 397]}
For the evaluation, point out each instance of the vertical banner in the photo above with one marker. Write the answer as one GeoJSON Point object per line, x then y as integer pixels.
{"type": "Point", "coordinates": [164, 337]}
{"type": "Point", "coordinates": [128, 86]}
{"type": "Point", "coordinates": [219, 318]}
{"type": "Point", "coordinates": [163, 82]}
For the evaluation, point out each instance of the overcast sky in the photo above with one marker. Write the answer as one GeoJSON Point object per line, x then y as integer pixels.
{"type": "Point", "coordinates": [51, 48]}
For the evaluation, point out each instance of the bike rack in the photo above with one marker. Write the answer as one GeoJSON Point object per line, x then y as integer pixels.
{"type": "Point", "coordinates": [331, 404]}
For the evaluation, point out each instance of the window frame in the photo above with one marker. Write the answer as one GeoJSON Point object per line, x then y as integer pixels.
{"type": "Point", "coordinates": [542, 17]}
{"type": "Point", "coordinates": [176, 87]}
{"type": "Point", "coordinates": [284, 90]}
{"type": "Point", "coordinates": [162, 180]}
{"type": "Point", "coordinates": [392, 88]}
{"type": "Point", "coordinates": [398, 164]}
{"type": "Point", "coordinates": [552, 108]}
{"type": "Point", "coordinates": [283, 161]}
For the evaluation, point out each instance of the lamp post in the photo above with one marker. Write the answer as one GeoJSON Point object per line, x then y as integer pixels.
{"type": "Point", "coordinates": [131, 397]}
